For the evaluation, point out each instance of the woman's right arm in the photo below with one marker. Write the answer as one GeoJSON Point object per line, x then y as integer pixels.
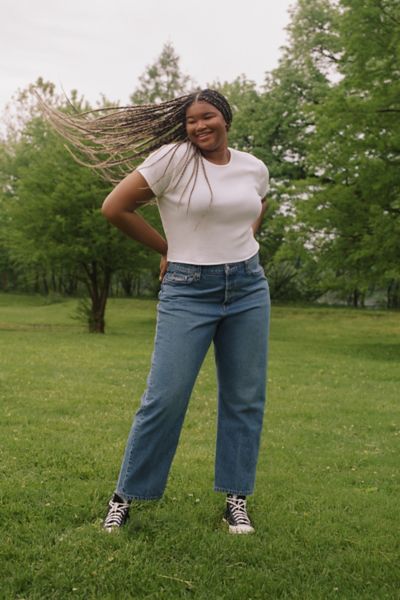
{"type": "Point", "coordinates": [119, 208]}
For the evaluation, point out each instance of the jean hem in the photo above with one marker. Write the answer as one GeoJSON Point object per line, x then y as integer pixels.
{"type": "Point", "coordinates": [237, 492]}
{"type": "Point", "coordinates": [129, 497]}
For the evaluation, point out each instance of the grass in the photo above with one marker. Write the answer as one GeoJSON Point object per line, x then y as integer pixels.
{"type": "Point", "coordinates": [326, 507]}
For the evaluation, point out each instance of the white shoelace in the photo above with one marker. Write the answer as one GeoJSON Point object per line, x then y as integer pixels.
{"type": "Point", "coordinates": [238, 511]}
{"type": "Point", "coordinates": [116, 514]}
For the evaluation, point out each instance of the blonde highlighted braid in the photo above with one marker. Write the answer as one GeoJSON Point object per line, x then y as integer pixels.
{"type": "Point", "coordinates": [111, 139]}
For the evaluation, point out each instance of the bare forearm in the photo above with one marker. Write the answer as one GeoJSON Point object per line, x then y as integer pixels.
{"type": "Point", "coordinates": [133, 225]}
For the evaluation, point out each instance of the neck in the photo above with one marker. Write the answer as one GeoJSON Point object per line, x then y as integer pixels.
{"type": "Point", "coordinates": [220, 156]}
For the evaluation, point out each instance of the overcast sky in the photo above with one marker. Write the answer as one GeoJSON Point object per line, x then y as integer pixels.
{"type": "Point", "coordinates": [102, 46]}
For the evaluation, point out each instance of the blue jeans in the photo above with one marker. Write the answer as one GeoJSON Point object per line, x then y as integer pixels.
{"type": "Point", "coordinates": [226, 304]}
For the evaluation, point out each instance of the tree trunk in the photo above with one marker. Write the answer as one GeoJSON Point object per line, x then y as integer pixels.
{"type": "Point", "coordinates": [99, 286]}
{"type": "Point", "coordinates": [45, 284]}
{"type": "Point", "coordinates": [4, 280]}
{"type": "Point", "coordinates": [355, 298]}
{"type": "Point", "coordinates": [53, 282]}
{"type": "Point", "coordinates": [138, 282]}
{"type": "Point", "coordinates": [127, 284]}
{"type": "Point", "coordinates": [36, 285]}
{"type": "Point", "coordinates": [393, 294]}
{"type": "Point", "coordinates": [69, 285]}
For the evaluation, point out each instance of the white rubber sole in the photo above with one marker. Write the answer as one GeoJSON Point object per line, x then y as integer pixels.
{"type": "Point", "coordinates": [240, 529]}
{"type": "Point", "coordinates": [111, 529]}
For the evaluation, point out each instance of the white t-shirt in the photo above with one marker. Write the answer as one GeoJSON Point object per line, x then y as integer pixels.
{"type": "Point", "coordinates": [215, 226]}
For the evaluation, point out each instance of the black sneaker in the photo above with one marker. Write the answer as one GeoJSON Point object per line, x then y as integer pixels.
{"type": "Point", "coordinates": [118, 513]}
{"type": "Point", "coordinates": [236, 515]}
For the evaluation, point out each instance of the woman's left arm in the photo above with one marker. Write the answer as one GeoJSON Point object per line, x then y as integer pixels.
{"type": "Point", "coordinates": [257, 224]}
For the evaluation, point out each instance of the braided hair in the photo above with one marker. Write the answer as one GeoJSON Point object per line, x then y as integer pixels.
{"type": "Point", "coordinates": [111, 139]}
{"type": "Point", "coordinates": [216, 99]}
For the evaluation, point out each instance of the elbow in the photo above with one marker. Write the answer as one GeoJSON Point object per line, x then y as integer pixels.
{"type": "Point", "coordinates": [107, 210]}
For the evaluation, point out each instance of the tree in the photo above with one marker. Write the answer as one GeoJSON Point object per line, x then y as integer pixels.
{"type": "Point", "coordinates": [8, 276]}
{"type": "Point", "coordinates": [356, 151]}
{"type": "Point", "coordinates": [162, 80]}
{"type": "Point", "coordinates": [244, 100]}
{"type": "Point", "coordinates": [281, 124]}
{"type": "Point", "coordinates": [53, 217]}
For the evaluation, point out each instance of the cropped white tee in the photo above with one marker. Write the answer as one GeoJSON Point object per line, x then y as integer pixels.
{"type": "Point", "coordinates": [216, 225]}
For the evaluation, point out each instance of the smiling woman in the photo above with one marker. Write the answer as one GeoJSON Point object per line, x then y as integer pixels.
{"type": "Point", "coordinates": [206, 128]}
{"type": "Point", "coordinates": [213, 289]}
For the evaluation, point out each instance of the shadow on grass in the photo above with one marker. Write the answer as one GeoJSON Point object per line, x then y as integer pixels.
{"type": "Point", "coordinates": [377, 351]}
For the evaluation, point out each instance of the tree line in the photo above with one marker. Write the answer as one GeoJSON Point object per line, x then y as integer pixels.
{"type": "Point", "coordinates": [326, 122]}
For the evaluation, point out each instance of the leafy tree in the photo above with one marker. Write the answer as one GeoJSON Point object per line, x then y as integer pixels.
{"type": "Point", "coordinates": [8, 276]}
{"type": "Point", "coordinates": [54, 221]}
{"type": "Point", "coordinates": [244, 100]}
{"type": "Point", "coordinates": [282, 122]}
{"type": "Point", "coordinates": [356, 151]}
{"type": "Point", "coordinates": [162, 80]}
{"type": "Point", "coordinates": [22, 109]}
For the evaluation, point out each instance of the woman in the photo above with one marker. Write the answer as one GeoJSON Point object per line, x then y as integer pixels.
{"type": "Point", "coordinates": [211, 200]}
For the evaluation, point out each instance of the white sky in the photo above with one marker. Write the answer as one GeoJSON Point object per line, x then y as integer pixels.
{"type": "Point", "coordinates": [102, 46]}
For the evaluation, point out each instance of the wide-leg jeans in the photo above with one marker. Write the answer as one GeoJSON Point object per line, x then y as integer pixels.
{"type": "Point", "coordinates": [228, 305]}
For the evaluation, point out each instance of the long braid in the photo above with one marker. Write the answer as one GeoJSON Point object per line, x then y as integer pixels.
{"type": "Point", "coordinates": [111, 139]}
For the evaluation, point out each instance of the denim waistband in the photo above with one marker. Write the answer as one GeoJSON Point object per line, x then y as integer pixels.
{"type": "Point", "coordinates": [236, 267]}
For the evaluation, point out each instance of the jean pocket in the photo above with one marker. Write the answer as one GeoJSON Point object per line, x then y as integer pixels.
{"type": "Point", "coordinates": [178, 277]}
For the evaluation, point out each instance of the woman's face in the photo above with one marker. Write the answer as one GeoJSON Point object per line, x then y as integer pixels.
{"type": "Point", "coordinates": [206, 127]}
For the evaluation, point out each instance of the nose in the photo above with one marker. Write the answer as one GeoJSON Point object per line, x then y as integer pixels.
{"type": "Point", "coordinates": [200, 126]}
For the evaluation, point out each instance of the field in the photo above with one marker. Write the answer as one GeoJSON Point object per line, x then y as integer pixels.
{"type": "Point", "coordinates": [326, 507]}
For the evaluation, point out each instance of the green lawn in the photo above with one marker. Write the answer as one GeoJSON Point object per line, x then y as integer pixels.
{"type": "Point", "coordinates": [326, 507]}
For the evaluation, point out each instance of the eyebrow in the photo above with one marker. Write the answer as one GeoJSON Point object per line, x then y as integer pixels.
{"type": "Point", "coordinates": [208, 112]}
